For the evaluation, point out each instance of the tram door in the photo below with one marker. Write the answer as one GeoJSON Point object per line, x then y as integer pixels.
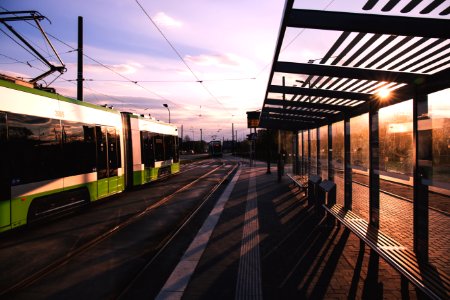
{"type": "Point", "coordinates": [107, 160]}
{"type": "Point", "coordinates": [5, 188]}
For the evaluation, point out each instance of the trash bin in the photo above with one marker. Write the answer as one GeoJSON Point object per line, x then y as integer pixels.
{"type": "Point", "coordinates": [326, 194]}
{"type": "Point", "coordinates": [313, 187]}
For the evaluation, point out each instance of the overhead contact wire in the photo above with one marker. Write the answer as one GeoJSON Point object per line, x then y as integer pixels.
{"type": "Point", "coordinates": [179, 55]}
{"type": "Point", "coordinates": [94, 60]}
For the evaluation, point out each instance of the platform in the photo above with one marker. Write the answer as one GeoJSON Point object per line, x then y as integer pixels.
{"type": "Point", "coordinates": [267, 243]}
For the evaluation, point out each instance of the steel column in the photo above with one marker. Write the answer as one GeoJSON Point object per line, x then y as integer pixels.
{"type": "Point", "coordinates": [374, 166]}
{"type": "Point", "coordinates": [303, 155]}
{"type": "Point", "coordinates": [347, 165]}
{"type": "Point", "coordinates": [318, 164]}
{"type": "Point", "coordinates": [308, 166]}
{"type": "Point", "coordinates": [330, 153]}
{"type": "Point", "coordinates": [297, 161]}
{"type": "Point", "coordinates": [422, 168]}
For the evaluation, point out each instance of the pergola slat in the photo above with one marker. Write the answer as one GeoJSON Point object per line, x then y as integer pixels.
{"type": "Point", "coordinates": [318, 92]}
{"type": "Point", "coordinates": [373, 52]}
{"type": "Point", "coordinates": [305, 104]}
{"type": "Point", "coordinates": [305, 113]}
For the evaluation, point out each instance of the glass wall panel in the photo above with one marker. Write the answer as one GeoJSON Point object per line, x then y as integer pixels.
{"type": "Point", "coordinates": [338, 160]}
{"type": "Point", "coordinates": [359, 144]}
{"type": "Point", "coordinates": [287, 149]}
{"type": "Point", "coordinates": [323, 155]}
{"type": "Point", "coordinates": [438, 122]}
{"type": "Point", "coordinates": [396, 171]}
{"type": "Point", "coordinates": [396, 144]}
{"type": "Point", "coordinates": [313, 162]}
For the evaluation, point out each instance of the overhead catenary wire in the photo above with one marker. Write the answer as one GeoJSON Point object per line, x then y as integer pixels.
{"type": "Point", "coordinates": [96, 61]}
{"type": "Point", "coordinates": [16, 61]}
{"type": "Point", "coordinates": [31, 53]}
{"type": "Point", "coordinates": [291, 41]}
{"type": "Point", "coordinates": [167, 81]}
{"type": "Point", "coordinates": [62, 79]}
{"type": "Point", "coordinates": [167, 40]}
{"type": "Point", "coordinates": [28, 62]}
{"type": "Point", "coordinates": [180, 57]}
{"type": "Point", "coordinates": [65, 80]}
{"type": "Point", "coordinates": [95, 91]}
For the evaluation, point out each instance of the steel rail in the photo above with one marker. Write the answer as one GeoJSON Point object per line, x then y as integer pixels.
{"type": "Point", "coordinates": [166, 241]}
{"type": "Point", "coordinates": [88, 245]}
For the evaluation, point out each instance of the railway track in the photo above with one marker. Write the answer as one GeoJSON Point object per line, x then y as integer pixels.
{"type": "Point", "coordinates": [168, 240]}
{"type": "Point", "coordinates": [50, 268]}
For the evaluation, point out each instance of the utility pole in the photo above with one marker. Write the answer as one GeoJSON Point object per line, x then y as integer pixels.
{"type": "Point", "coordinates": [80, 60]}
{"type": "Point", "coordinates": [182, 138]}
{"type": "Point", "coordinates": [232, 138]}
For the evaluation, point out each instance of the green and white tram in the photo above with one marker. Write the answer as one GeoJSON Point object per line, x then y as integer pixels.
{"type": "Point", "coordinates": [58, 153]}
{"type": "Point", "coordinates": [154, 147]}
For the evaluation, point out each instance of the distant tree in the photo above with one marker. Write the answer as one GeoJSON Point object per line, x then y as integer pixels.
{"type": "Point", "coordinates": [187, 138]}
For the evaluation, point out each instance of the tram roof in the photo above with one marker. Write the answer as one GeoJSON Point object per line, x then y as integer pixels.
{"type": "Point", "coordinates": [399, 46]}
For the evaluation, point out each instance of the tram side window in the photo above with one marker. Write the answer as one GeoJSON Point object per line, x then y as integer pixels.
{"type": "Point", "coordinates": [147, 152]}
{"type": "Point", "coordinates": [119, 153]}
{"type": "Point", "coordinates": [176, 154]}
{"type": "Point", "coordinates": [79, 148]}
{"type": "Point", "coordinates": [34, 148]}
{"type": "Point", "coordinates": [50, 150]}
{"type": "Point", "coordinates": [169, 146]}
{"type": "Point", "coordinates": [144, 148]}
{"type": "Point", "coordinates": [159, 147]}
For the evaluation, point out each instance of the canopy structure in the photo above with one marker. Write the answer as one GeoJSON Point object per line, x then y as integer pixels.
{"type": "Point", "coordinates": [372, 53]}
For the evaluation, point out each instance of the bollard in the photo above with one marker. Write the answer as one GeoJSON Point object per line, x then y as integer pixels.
{"type": "Point", "coordinates": [313, 185]}
{"type": "Point", "coordinates": [327, 195]}
{"type": "Point", "coordinates": [280, 167]}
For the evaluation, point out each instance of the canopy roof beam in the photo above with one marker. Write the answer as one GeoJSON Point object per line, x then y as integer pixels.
{"type": "Point", "coordinates": [343, 21]}
{"type": "Point", "coordinates": [347, 72]}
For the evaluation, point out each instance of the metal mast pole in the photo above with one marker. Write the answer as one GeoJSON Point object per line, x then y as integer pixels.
{"type": "Point", "coordinates": [80, 60]}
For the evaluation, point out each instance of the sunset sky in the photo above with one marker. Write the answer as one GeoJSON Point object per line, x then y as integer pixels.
{"type": "Point", "coordinates": [226, 49]}
{"type": "Point", "coordinates": [227, 44]}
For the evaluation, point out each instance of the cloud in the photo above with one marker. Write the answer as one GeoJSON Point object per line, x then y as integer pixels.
{"type": "Point", "coordinates": [124, 69]}
{"type": "Point", "coordinates": [164, 20]}
{"type": "Point", "coordinates": [222, 60]}
{"type": "Point", "coordinates": [15, 74]}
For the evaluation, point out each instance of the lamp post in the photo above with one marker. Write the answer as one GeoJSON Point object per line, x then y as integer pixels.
{"type": "Point", "coordinates": [167, 106]}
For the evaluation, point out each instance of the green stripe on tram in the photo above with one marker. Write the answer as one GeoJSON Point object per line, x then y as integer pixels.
{"type": "Point", "coordinates": [20, 205]}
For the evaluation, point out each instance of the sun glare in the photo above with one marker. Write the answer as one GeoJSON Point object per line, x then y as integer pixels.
{"type": "Point", "coordinates": [383, 93]}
